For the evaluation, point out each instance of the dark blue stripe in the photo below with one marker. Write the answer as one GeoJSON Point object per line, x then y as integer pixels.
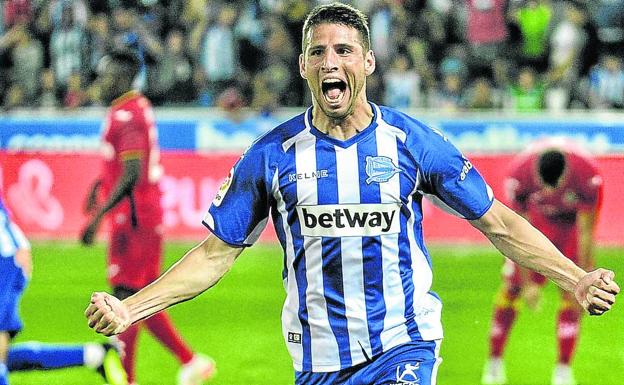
{"type": "Point", "coordinates": [405, 266]}
{"type": "Point", "coordinates": [299, 266]}
{"type": "Point", "coordinates": [333, 283]}
{"type": "Point", "coordinates": [408, 183]}
{"type": "Point", "coordinates": [371, 250]}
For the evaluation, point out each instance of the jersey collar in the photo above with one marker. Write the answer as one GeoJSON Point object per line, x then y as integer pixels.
{"type": "Point", "coordinates": [343, 143]}
{"type": "Point", "coordinates": [125, 97]}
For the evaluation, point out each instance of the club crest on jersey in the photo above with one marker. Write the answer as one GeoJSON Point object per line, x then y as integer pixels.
{"type": "Point", "coordinates": [380, 169]}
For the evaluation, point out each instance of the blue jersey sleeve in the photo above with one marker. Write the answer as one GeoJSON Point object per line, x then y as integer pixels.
{"type": "Point", "coordinates": [451, 182]}
{"type": "Point", "coordinates": [240, 210]}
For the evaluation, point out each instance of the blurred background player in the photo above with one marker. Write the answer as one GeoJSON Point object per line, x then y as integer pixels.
{"type": "Point", "coordinates": [15, 272]}
{"type": "Point", "coordinates": [129, 182]}
{"type": "Point", "coordinates": [557, 187]}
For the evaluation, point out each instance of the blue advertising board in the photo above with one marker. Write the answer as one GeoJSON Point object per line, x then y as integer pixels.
{"type": "Point", "coordinates": [205, 132]}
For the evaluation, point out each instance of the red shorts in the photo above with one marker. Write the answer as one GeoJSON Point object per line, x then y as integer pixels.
{"type": "Point", "coordinates": [565, 241]}
{"type": "Point", "coordinates": [134, 255]}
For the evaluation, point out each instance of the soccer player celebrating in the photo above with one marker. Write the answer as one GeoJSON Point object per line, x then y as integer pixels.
{"type": "Point", "coordinates": [129, 181]}
{"type": "Point", "coordinates": [557, 187]}
{"type": "Point", "coordinates": [344, 182]}
{"type": "Point", "coordinates": [15, 272]}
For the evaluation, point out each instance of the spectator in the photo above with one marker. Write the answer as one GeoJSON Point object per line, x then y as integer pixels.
{"type": "Point", "coordinates": [172, 78]}
{"type": "Point", "coordinates": [78, 9]}
{"type": "Point", "coordinates": [403, 84]}
{"type": "Point", "coordinates": [218, 49]}
{"type": "Point", "coordinates": [67, 45]}
{"type": "Point", "coordinates": [527, 93]}
{"type": "Point", "coordinates": [14, 97]}
{"type": "Point", "coordinates": [533, 19]}
{"type": "Point", "coordinates": [27, 58]}
{"type": "Point", "coordinates": [47, 94]}
{"type": "Point", "coordinates": [75, 95]}
{"type": "Point", "coordinates": [608, 17]}
{"type": "Point", "coordinates": [567, 43]}
{"type": "Point", "coordinates": [130, 33]}
{"type": "Point", "coordinates": [481, 95]}
{"type": "Point", "coordinates": [606, 82]}
{"type": "Point", "coordinates": [99, 41]}
{"type": "Point", "coordinates": [486, 33]}
{"type": "Point", "coordinates": [16, 12]}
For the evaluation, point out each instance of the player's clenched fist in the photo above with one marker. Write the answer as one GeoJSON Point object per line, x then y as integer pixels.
{"type": "Point", "coordinates": [107, 315]}
{"type": "Point", "coordinates": [596, 291]}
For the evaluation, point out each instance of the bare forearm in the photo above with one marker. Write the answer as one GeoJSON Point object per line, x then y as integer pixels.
{"type": "Point", "coordinates": [124, 187]}
{"type": "Point", "coordinates": [518, 240]}
{"type": "Point", "coordinates": [201, 268]}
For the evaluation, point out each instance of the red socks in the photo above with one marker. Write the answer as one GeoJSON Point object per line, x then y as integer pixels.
{"type": "Point", "coordinates": [162, 328]}
{"type": "Point", "coordinates": [567, 333]}
{"type": "Point", "coordinates": [129, 339]}
{"type": "Point", "coordinates": [501, 325]}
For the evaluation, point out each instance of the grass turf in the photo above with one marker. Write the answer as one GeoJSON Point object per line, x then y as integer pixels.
{"type": "Point", "coordinates": [238, 321]}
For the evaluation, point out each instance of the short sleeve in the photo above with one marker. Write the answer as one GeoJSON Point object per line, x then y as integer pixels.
{"type": "Point", "coordinates": [517, 183]}
{"type": "Point", "coordinates": [240, 209]}
{"type": "Point", "coordinates": [590, 187]}
{"type": "Point", "coordinates": [454, 183]}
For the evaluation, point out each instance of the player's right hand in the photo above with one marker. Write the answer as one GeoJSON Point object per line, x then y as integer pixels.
{"type": "Point", "coordinates": [596, 291]}
{"type": "Point", "coordinates": [107, 315]}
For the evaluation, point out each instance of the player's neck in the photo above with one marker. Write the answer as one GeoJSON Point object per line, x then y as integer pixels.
{"type": "Point", "coordinates": [347, 127]}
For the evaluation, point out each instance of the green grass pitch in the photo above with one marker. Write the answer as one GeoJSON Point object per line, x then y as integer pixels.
{"type": "Point", "coordinates": [238, 321]}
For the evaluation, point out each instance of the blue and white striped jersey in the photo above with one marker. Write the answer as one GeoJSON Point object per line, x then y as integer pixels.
{"type": "Point", "coordinates": [348, 215]}
{"type": "Point", "coordinates": [11, 237]}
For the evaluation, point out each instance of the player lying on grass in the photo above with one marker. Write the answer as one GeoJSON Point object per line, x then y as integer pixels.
{"type": "Point", "coordinates": [344, 183]}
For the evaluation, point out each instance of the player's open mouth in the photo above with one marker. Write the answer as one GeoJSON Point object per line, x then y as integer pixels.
{"type": "Point", "coordinates": [333, 90]}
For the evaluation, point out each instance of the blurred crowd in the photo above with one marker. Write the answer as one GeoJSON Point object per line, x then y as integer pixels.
{"type": "Point", "coordinates": [517, 55]}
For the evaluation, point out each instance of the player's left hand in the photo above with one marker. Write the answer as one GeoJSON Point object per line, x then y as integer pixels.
{"type": "Point", "coordinates": [596, 291]}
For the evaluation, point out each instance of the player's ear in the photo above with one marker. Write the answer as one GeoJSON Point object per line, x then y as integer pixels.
{"type": "Point", "coordinates": [302, 65]}
{"type": "Point", "coordinates": [369, 62]}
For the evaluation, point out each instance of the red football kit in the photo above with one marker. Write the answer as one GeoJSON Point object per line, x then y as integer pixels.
{"type": "Point", "coordinates": [129, 132]}
{"type": "Point", "coordinates": [553, 210]}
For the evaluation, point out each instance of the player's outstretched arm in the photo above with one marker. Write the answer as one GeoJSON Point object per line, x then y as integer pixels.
{"type": "Point", "coordinates": [513, 236]}
{"type": "Point", "coordinates": [199, 269]}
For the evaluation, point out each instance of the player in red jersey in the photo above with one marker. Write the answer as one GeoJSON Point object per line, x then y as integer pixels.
{"type": "Point", "coordinates": [557, 187]}
{"type": "Point", "coordinates": [129, 181]}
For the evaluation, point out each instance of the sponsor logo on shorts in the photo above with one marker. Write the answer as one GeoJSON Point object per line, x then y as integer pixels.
{"type": "Point", "coordinates": [350, 220]}
{"type": "Point", "coordinates": [294, 338]}
{"type": "Point", "coordinates": [406, 374]}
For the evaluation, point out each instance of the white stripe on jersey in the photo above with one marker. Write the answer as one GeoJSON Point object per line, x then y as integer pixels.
{"type": "Point", "coordinates": [427, 308]}
{"type": "Point", "coordinates": [323, 342]}
{"type": "Point", "coordinates": [352, 261]}
{"type": "Point", "coordinates": [11, 237]}
{"type": "Point", "coordinates": [290, 315]}
{"type": "Point", "coordinates": [395, 331]}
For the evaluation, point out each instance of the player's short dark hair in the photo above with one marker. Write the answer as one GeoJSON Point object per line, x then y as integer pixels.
{"type": "Point", "coordinates": [128, 60]}
{"type": "Point", "coordinates": [337, 13]}
{"type": "Point", "coordinates": [551, 165]}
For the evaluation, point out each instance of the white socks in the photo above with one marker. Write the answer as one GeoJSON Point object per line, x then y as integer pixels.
{"type": "Point", "coordinates": [93, 355]}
